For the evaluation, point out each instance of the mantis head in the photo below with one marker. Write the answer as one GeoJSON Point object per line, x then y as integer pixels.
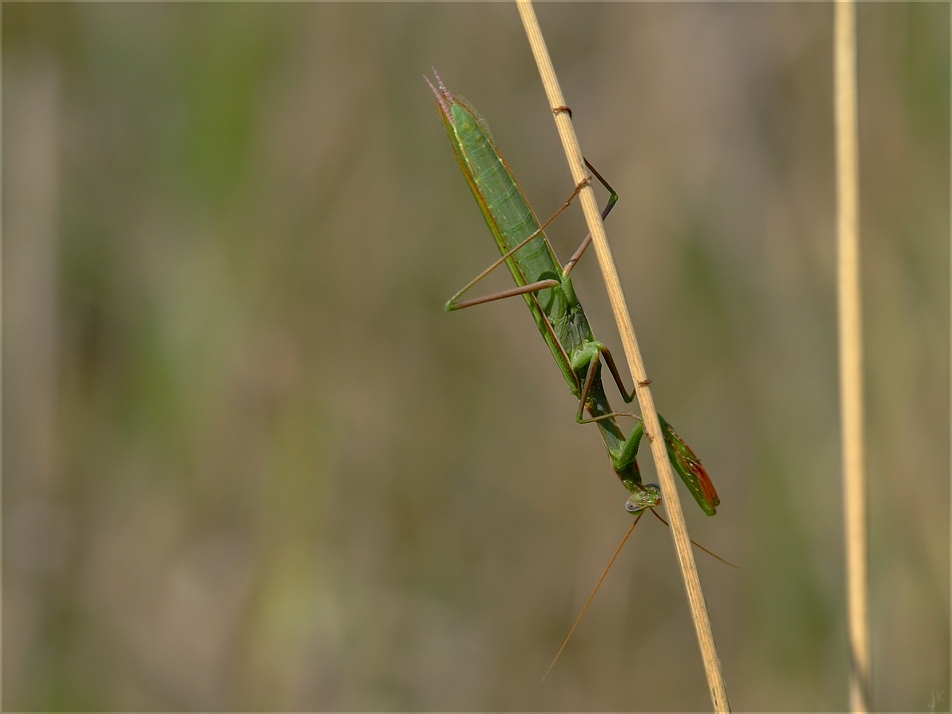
{"type": "Point", "coordinates": [648, 496]}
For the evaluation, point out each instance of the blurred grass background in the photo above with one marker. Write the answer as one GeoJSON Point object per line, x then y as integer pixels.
{"type": "Point", "coordinates": [249, 462]}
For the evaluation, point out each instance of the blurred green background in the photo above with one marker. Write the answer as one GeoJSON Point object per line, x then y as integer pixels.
{"type": "Point", "coordinates": [250, 463]}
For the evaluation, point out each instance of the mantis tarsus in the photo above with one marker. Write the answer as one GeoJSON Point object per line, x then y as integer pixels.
{"type": "Point", "coordinates": [546, 287]}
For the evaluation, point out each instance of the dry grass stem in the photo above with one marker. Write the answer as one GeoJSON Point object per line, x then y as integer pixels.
{"type": "Point", "coordinates": [672, 503]}
{"type": "Point", "coordinates": [851, 353]}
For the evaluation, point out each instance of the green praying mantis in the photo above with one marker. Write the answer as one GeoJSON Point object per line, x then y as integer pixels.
{"type": "Point", "coordinates": [546, 287]}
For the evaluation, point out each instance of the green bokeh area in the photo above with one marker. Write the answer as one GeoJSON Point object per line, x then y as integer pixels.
{"type": "Point", "coordinates": [250, 463]}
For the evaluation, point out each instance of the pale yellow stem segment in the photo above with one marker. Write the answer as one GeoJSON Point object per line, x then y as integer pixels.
{"type": "Point", "coordinates": [851, 354]}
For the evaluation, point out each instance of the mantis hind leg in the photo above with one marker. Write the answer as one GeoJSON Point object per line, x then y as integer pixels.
{"type": "Point", "coordinates": [587, 240]}
{"type": "Point", "coordinates": [454, 304]}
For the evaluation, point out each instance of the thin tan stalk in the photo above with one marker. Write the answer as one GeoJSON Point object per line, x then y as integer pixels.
{"type": "Point", "coordinates": [851, 354]}
{"type": "Point", "coordinates": [672, 504]}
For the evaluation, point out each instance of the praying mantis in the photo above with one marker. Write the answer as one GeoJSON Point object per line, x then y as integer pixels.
{"type": "Point", "coordinates": [546, 287]}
